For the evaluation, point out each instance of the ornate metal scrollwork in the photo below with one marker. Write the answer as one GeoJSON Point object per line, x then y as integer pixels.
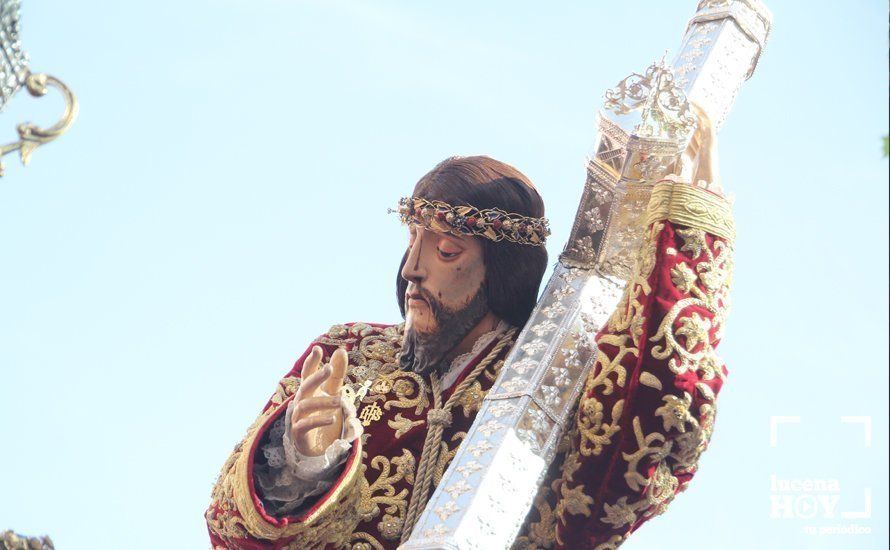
{"type": "Point", "coordinates": [32, 136]}
{"type": "Point", "coordinates": [14, 74]}
{"type": "Point", "coordinates": [665, 113]}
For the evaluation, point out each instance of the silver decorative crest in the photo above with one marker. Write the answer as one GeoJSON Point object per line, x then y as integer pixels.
{"type": "Point", "coordinates": [662, 105]}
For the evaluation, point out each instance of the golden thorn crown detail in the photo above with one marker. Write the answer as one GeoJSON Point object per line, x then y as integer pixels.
{"type": "Point", "coordinates": [464, 220]}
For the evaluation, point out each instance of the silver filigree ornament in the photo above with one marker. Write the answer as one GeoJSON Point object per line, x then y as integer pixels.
{"type": "Point", "coordinates": [663, 109]}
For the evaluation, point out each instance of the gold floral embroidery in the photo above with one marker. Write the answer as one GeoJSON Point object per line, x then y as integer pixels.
{"type": "Point", "coordinates": [574, 501]}
{"type": "Point", "coordinates": [390, 526]}
{"type": "Point", "coordinates": [675, 412]}
{"type": "Point", "coordinates": [401, 424]}
{"type": "Point", "coordinates": [382, 347]}
{"type": "Point", "coordinates": [471, 400]}
{"type": "Point", "coordinates": [694, 241]}
{"type": "Point", "coordinates": [684, 337]}
{"type": "Point", "coordinates": [446, 455]}
{"type": "Point", "coordinates": [625, 328]}
{"type": "Point", "coordinates": [381, 386]}
{"type": "Point", "coordinates": [595, 432]}
{"type": "Point", "coordinates": [612, 544]}
{"type": "Point", "coordinates": [619, 514]}
{"type": "Point", "coordinates": [570, 465]}
{"type": "Point", "coordinates": [364, 541]}
{"type": "Point", "coordinates": [650, 380]}
{"type": "Point", "coordinates": [341, 335]}
{"type": "Point", "coordinates": [220, 515]}
{"type": "Point", "coordinates": [683, 277]}
{"type": "Point", "coordinates": [410, 390]}
{"type": "Point", "coordinates": [705, 391]}
{"type": "Point", "coordinates": [708, 289]}
{"type": "Point", "coordinates": [541, 533]}
{"type": "Point", "coordinates": [700, 268]}
{"type": "Point", "coordinates": [652, 445]}
{"type": "Point", "coordinates": [629, 313]}
{"type": "Point", "coordinates": [286, 388]}
{"type": "Point", "coordinates": [659, 492]}
{"type": "Point", "coordinates": [382, 492]}
{"type": "Point", "coordinates": [375, 353]}
{"type": "Point", "coordinates": [689, 446]}
{"type": "Point", "coordinates": [695, 329]}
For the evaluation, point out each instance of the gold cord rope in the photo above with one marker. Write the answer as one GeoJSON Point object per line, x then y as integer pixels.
{"type": "Point", "coordinates": [439, 418]}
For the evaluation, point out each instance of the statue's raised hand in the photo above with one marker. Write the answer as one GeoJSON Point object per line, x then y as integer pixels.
{"type": "Point", "coordinates": [317, 418]}
{"type": "Point", "coordinates": [700, 157]}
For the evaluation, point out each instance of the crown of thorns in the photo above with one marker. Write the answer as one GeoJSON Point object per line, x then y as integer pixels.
{"type": "Point", "coordinates": [492, 223]}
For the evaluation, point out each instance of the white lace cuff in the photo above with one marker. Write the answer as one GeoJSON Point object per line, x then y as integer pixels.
{"type": "Point", "coordinates": [321, 467]}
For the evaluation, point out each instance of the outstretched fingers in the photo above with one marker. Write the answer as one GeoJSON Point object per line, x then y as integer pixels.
{"type": "Point", "coordinates": [339, 360]}
{"type": "Point", "coordinates": [309, 385]}
{"type": "Point", "coordinates": [310, 365]}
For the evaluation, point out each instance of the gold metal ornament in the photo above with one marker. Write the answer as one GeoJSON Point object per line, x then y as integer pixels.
{"type": "Point", "coordinates": [371, 413]}
{"type": "Point", "coordinates": [32, 136]}
{"type": "Point", "coordinates": [16, 74]}
{"type": "Point", "coordinates": [355, 395]}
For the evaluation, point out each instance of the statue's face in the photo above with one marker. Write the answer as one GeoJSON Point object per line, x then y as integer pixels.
{"type": "Point", "coordinates": [445, 274]}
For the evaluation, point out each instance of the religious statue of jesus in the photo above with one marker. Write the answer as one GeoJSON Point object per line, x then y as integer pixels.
{"type": "Point", "coordinates": [356, 436]}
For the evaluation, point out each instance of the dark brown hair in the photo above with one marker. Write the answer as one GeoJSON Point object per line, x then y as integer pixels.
{"type": "Point", "coordinates": [513, 271]}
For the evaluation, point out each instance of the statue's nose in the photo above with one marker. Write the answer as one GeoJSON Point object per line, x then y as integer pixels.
{"type": "Point", "coordinates": [413, 269]}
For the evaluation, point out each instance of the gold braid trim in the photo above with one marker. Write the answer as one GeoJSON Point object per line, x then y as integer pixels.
{"type": "Point", "coordinates": [692, 206]}
{"type": "Point", "coordinates": [326, 524]}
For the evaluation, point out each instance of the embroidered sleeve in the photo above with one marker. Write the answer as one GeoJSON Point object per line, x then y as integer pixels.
{"type": "Point", "coordinates": [237, 516]}
{"type": "Point", "coordinates": [648, 407]}
{"type": "Point", "coordinates": [287, 478]}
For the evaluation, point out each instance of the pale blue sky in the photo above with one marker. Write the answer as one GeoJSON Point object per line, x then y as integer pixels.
{"type": "Point", "coordinates": [222, 199]}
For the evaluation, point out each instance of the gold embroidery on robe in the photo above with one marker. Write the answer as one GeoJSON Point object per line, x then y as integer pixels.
{"type": "Point", "coordinates": [401, 424]}
{"type": "Point", "coordinates": [612, 544]}
{"type": "Point", "coordinates": [625, 327]}
{"type": "Point", "coordinates": [573, 501]}
{"type": "Point", "coordinates": [409, 388]}
{"type": "Point", "coordinates": [364, 541]}
{"type": "Point", "coordinates": [287, 387]}
{"type": "Point", "coordinates": [541, 533]}
{"type": "Point", "coordinates": [471, 400]}
{"type": "Point", "coordinates": [446, 455]}
{"type": "Point", "coordinates": [696, 353]}
{"type": "Point", "coordinates": [381, 493]}
{"type": "Point", "coordinates": [684, 338]}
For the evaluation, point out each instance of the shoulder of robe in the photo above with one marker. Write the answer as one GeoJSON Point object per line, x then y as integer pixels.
{"type": "Point", "coordinates": [365, 342]}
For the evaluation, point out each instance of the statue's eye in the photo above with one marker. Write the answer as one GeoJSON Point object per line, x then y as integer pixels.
{"type": "Point", "coordinates": [448, 251]}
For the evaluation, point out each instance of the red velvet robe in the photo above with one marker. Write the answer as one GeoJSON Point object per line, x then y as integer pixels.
{"type": "Point", "coordinates": [645, 416]}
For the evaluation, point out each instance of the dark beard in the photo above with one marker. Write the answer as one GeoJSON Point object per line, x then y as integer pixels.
{"type": "Point", "coordinates": [425, 353]}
